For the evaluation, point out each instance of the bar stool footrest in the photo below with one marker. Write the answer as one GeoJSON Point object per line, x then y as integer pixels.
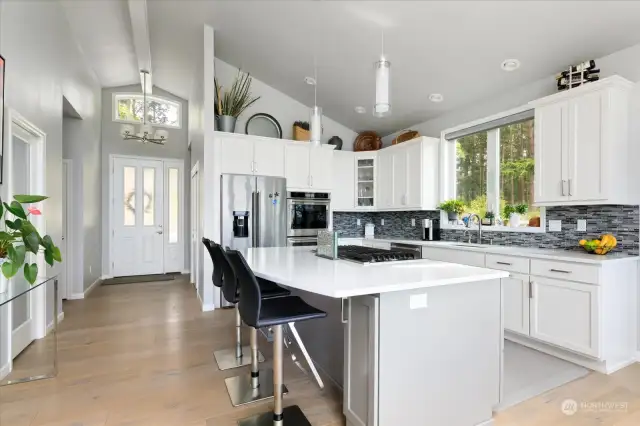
{"type": "Point", "coordinates": [293, 416]}
{"type": "Point", "coordinates": [226, 358]}
{"type": "Point", "coordinates": [241, 392]}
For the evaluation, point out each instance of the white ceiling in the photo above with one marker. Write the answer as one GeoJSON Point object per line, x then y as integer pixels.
{"type": "Point", "coordinates": [102, 29]}
{"type": "Point", "coordinates": [450, 47]}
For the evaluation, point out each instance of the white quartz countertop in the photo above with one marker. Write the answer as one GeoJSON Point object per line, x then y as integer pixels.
{"type": "Point", "coordinates": [300, 268]}
{"type": "Point", "coordinates": [531, 252]}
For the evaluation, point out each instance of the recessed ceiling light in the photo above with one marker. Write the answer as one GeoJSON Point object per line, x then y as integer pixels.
{"type": "Point", "coordinates": [360, 109]}
{"type": "Point", "coordinates": [436, 97]}
{"type": "Point", "coordinates": [310, 81]}
{"type": "Point", "coordinates": [510, 64]}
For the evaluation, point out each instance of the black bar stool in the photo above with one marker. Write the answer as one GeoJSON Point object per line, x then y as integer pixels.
{"type": "Point", "coordinates": [257, 386]}
{"type": "Point", "coordinates": [233, 358]}
{"type": "Point", "coordinates": [257, 312]}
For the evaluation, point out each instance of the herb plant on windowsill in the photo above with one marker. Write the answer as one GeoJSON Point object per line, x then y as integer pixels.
{"type": "Point", "coordinates": [454, 208]}
{"type": "Point", "coordinates": [20, 237]}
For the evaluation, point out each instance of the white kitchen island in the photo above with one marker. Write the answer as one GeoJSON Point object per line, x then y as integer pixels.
{"type": "Point", "coordinates": [412, 342]}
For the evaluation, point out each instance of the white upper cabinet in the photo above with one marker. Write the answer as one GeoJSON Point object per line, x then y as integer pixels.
{"type": "Point", "coordinates": [237, 155]}
{"type": "Point", "coordinates": [309, 168]}
{"type": "Point", "coordinates": [268, 158]}
{"type": "Point", "coordinates": [321, 168]}
{"type": "Point", "coordinates": [251, 155]}
{"type": "Point", "coordinates": [408, 175]}
{"type": "Point", "coordinates": [343, 189]}
{"type": "Point", "coordinates": [366, 166]}
{"type": "Point", "coordinates": [582, 145]}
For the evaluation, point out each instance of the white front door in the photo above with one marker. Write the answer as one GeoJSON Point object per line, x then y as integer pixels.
{"type": "Point", "coordinates": [137, 214]}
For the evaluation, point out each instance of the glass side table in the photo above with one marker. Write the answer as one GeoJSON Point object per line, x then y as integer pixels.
{"type": "Point", "coordinates": [28, 330]}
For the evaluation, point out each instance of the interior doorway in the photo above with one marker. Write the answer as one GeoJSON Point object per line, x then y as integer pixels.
{"type": "Point", "coordinates": [26, 175]}
{"type": "Point", "coordinates": [146, 216]}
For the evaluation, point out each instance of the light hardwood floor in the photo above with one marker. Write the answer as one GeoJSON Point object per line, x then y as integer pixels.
{"type": "Point", "coordinates": [141, 355]}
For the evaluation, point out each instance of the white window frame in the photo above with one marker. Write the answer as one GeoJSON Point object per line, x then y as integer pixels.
{"type": "Point", "coordinates": [116, 117]}
{"type": "Point", "coordinates": [448, 174]}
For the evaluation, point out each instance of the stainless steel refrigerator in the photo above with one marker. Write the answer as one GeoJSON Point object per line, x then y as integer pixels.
{"type": "Point", "coordinates": [253, 212]}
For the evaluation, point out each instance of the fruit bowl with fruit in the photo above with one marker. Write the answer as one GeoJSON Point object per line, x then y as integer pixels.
{"type": "Point", "coordinates": [600, 246]}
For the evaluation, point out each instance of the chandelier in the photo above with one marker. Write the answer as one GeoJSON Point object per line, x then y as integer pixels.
{"type": "Point", "coordinates": [146, 133]}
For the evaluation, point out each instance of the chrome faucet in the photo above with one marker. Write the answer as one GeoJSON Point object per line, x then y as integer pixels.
{"type": "Point", "coordinates": [479, 226]}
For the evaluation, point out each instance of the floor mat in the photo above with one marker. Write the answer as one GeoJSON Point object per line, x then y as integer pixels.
{"type": "Point", "coordinates": [140, 279]}
{"type": "Point", "coordinates": [529, 373]}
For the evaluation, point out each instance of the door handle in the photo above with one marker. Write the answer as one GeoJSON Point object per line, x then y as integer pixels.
{"type": "Point", "coordinates": [253, 220]}
{"type": "Point", "coordinates": [311, 177]}
{"type": "Point", "coordinates": [563, 182]}
{"type": "Point", "coordinates": [560, 271]}
{"type": "Point", "coordinates": [159, 232]}
{"type": "Point", "coordinates": [255, 166]}
{"type": "Point", "coordinates": [504, 263]}
{"type": "Point", "coordinates": [530, 290]}
{"type": "Point", "coordinates": [256, 214]}
{"type": "Point", "coordinates": [570, 187]}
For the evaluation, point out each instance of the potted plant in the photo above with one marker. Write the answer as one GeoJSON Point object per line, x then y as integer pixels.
{"type": "Point", "coordinates": [301, 131]}
{"type": "Point", "coordinates": [454, 208]}
{"type": "Point", "coordinates": [507, 211]}
{"type": "Point", "coordinates": [19, 237]}
{"type": "Point", "coordinates": [489, 218]}
{"type": "Point", "coordinates": [513, 212]}
{"type": "Point", "coordinates": [229, 105]}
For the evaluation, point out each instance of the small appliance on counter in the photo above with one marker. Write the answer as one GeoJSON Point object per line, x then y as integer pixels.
{"type": "Point", "coordinates": [431, 230]}
{"type": "Point", "coordinates": [369, 230]}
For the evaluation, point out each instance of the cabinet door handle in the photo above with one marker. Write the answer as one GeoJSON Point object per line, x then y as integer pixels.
{"type": "Point", "coordinates": [504, 263]}
{"type": "Point", "coordinates": [563, 182]}
{"type": "Point", "coordinates": [342, 318]}
{"type": "Point", "coordinates": [311, 177]}
{"type": "Point", "coordinates": [560, 271]}
{"type": "Point", "coordinates": [255, 166]}
{"type": "Point", "coordinates": [570, 187]}
{"type": "Point", "coordinates": [530, 290]}
{"type": "Point", "coordinates": [252, 167]}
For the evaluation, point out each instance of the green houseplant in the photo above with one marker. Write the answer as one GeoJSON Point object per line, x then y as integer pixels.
{"type": "Point", "coordinates": [489, 218]}
{"type": "Point", "coordinates": [513, 212]}
{"type": "Point", "coordinates": [230, 104]}
{"type": "Point", "coordinates": [454, 208]}
{"type": "Point", "coordinates": [18, 237]}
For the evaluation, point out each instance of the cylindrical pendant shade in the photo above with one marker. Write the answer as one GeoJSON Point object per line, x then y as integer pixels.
{"type": "Point", "coordinates": [315, 123]}
{"type": "Point", "coordinates": [382, 106]}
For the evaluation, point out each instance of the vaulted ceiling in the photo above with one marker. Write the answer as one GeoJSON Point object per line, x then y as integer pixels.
{"type": "Point", "coordinates": [449, 47]}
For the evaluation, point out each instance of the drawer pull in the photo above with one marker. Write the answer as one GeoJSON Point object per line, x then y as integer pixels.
{"type": "Point", "coordinates": [504, 263]}
{"type": "Point", "coordinates": [560, 271]}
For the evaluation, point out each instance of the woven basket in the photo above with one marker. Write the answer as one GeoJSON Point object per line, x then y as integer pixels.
{"type": "Point", "coordinates": [300, 134]}
{"type": "Point", "coordinates": [406, 135]}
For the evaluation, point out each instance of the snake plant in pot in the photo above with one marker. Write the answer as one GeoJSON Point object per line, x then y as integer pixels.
{"type": "Point", "coordinates": [19, 237]}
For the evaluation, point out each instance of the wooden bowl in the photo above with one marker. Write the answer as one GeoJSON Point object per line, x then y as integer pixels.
{"type": "Point", "coordinates": [367, 141]}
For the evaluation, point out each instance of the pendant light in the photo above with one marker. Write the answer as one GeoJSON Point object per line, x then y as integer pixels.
{"type": "Point", "coordinates": [315, 114]}
{"type": "Point", "coordinates": [382, 107]}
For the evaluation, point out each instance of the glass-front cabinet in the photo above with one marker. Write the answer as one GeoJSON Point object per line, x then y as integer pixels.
{"type": "Point", "coordinates": [365, 180]}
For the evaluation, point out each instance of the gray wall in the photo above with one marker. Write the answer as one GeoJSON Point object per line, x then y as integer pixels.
{"type": "Point", "coordinates": [113, 144]}
{"type": "Point", "coordinates": [43, 63]}
{"type": "Point", "coordinates": [81, 144]}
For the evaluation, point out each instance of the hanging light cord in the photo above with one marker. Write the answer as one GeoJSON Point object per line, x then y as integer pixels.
{"type": "Point", "coordinates": [315, 86]}
{"type": "Point", "coordinates": [144, 98]}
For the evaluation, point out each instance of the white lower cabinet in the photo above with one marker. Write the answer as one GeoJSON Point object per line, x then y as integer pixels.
{"type": "Point", "coordinates": [566, 314]}
{"type": "Point", "coordinates": [361, 349]}
{"type": "Point", "coordinates": [515, 296]}
{"type": "Point", "coordinates": [454, 256]}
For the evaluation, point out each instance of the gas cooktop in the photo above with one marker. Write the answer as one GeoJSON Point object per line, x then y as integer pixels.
{"type": "Point", "coordinates": [366, 255]}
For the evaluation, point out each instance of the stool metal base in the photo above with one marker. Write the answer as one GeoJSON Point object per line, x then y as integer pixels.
{"type": "Point", "coordinates": [293, 416]}
{"type": "Point", "coordinates": [241, 392]}
{"type": "Point", "coordinates": [226, 358]}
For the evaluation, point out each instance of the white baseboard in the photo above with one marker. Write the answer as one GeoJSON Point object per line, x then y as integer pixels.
{"type": "Point", "coordinates": [185, 272]}
{"type": "Point", "coordinates": [106, 277]}
{"type": "Point", "coordinates": [205, 308]}
{"type": "Point", "coordinates": [5, 370]}
{"type": "Point", "coordinates": [93, 286]}
{"type": "Point", "coordinates": [60, 318]}
{"type": "Point", "coordinates": [638, 356]}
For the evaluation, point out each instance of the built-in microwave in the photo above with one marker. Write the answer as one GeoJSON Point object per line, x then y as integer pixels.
{"type": "Point", "coordinates": [307, 213]}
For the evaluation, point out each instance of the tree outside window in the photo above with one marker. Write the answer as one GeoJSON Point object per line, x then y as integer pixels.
{"type": "Point", "coordinates": [495, 168]}
{"type": "Point", "coordinates": [159, 111]}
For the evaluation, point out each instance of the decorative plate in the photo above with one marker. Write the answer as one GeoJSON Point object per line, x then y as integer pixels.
{"type": "Point", "coordinates": [262, 124]}
{"type": "Point", "coordinates": [368, 141]}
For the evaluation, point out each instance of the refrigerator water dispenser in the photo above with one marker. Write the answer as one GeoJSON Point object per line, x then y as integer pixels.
{"type": "Point", "coordinates": [241, 224]}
